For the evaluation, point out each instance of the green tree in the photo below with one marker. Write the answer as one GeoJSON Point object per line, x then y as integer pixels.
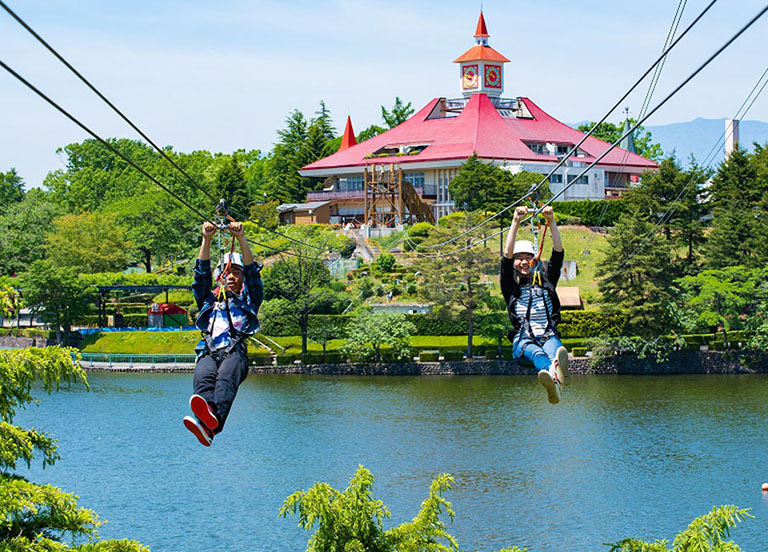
{"type": "Point", "coordinates": [370, 331]}
{"type": "Point", "coordinates": [484, 186]}
{"type": "Point", "coordinates": [735, 199]}
{"type": "Point", "coordinates": [399, 113]}
{"type": "Point", "coordinates": [23, 230]}
{"type": "Point", "coordinates": [301, 279]}
{"type": "Point", "coordinates": [57, 294]}
{"type": "Point", "coordinates": [368, 133]}
{"type": "Point", "coordinates": [635, 277]}
{"type": "Point", "coordinates": [156, 224]}
{"type": "Point", "coordinates": [459, 281]}
{"type": "Point", "coordinates": [608, 132]}
{"type": "Point", "coordinates": [288, 156]}
{"type": "Point", "coordinates": [707, 533]}
{"type": "Point", "coordinates": [230, 185]}
{"type": "Point", "coordinates": [322, 331]}
{"type": "Point", "coordinates": [90, 242]}
{"type": "Point", "coordinates": [724, 298]}
{"type": "Point", "coordinates": [11, 188]}
{"type": "Point", "coordinates": [40, 518]}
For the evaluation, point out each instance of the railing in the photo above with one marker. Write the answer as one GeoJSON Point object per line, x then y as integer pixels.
{"type": "Point", "coordinates": [428, 190]}
{"type": "Point", "coordinates": [131, 359]}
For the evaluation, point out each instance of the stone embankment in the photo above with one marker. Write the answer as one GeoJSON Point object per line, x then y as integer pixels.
{"type": "Point", "coordinates": [707, 362]}
{"type": "Point", "coordinates": [14, 342]}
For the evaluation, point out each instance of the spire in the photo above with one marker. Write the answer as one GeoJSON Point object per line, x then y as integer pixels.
{"type": "Point", "coordinates": [348, 140]}
{"type": "Point", "coordinates": [481, 31]}
{"type": "Point", "coordinates": [628, 143]}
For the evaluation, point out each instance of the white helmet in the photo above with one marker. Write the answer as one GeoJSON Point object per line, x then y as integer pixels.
{"type": "Point", "coordinates": [524, 246]}
{"type": "Point", "coordinates": [237, 260]}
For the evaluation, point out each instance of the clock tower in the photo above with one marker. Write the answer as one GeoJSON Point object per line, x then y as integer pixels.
{"type": "Point", "coordinates": [481, 68]}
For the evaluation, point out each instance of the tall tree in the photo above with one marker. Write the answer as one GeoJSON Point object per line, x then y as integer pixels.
{"type": "Point", "coordinates": [23, 230]}
{"type": "Point", "coordinates": [91, 242]}
{"type": "Point", "coordinates": [11, 188]}
{"type": "Point", "coordinates": [370, 331]}
{"type": "Point", "coordinates": [284, 182]}
{"type": "Point", "coordinates": [456, 281]}
{"type": "Point", "coordinates": [608, 132]}
{"type": "Point", "coordinates": [57, 293]}
{"type": "Point", "coordinates": [399, 113]}
{"type": "Point", "coordinates": [734, 201]}
{"type": "Point", "coordinates": [230, 185]}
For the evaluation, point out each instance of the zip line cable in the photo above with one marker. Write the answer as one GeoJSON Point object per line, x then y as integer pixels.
{"type": "Point", "coordinates": [131, 124]}
{"type": "Point", "coordinates": [646, 101]}
{"type": "Point", "coordinates": [707, 162]}
{"type": "Point", "coordinates": [583, 139]}
{"type": "Point", "coordinates": [638, 123]}
{"type": "Point", "coordinates": [114, 150]}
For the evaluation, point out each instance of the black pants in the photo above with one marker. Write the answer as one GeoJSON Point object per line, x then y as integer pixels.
{"type": "Point", "coordinates": [217, 380]}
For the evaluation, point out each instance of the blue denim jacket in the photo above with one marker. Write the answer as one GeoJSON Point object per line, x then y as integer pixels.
{"type": "Point", "coordinates": [249, 300]}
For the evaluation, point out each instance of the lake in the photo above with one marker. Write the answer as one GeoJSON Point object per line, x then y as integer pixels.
{"type": "Point", "coordinates": [620, 456]}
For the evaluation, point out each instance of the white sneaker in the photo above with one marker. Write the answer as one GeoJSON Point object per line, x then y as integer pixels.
{"type": "Point", "coordinates": [561, 364]}
{"type": "Point", "coordinates": [549, 381]}
{"type": "Point", "coordinates": [203, 434]}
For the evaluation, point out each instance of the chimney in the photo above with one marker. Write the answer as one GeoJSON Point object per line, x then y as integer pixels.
{"type": "Point", "coordinates": [731, 136]}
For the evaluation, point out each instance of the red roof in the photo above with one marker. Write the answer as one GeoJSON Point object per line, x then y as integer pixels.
{"type": "Point", "coordinates": [478, 128]}
{"type": "Point", "coordinates": [481, 30]}
{"type": "Point", "coordinates": [348, 140]}
{"type": "Point", "coordinates": [481, 53]}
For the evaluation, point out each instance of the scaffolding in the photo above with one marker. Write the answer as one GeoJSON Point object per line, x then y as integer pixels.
{"type": "Point", "coordinates": [392, 201]}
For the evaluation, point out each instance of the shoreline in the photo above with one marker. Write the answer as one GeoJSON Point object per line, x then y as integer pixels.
{"type": "Point", "coordinates": [682, 362]}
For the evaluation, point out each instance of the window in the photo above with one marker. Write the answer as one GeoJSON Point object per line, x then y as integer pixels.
{"type": "Point", "coordinates": [562, 149]}
{"type": "Point", "coordinates": [415, 178]}
{"type": "Point", "coordinates": [538, 148]}
{"type": "Point", "coordinates": [350, 183]}
{"type": "Point", "coordinates": [556, 179]}
{"type": "Point", "coordinates": [581, 180]}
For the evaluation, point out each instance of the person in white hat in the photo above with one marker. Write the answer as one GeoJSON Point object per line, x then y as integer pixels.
{"type": "Point", "coordinates": [528, 288]}
{"type": "Point", "coordinates": [225, 319]}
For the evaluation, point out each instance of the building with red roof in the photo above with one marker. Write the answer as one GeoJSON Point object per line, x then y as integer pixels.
{"type": "Point", "coordinates": [432, 145]}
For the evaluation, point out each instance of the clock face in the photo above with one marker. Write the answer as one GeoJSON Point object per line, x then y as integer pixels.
{"type": "Point", "coordinates": [493, 76]}
{"type": "Point", "coordinates": [469, 78]}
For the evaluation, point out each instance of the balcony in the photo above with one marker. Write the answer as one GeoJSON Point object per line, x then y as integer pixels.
{"type": "Point", "coordinates": [425, 191]}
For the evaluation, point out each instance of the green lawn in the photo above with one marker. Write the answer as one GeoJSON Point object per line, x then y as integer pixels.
{"type": "Point", "coordinates": [178, 343]}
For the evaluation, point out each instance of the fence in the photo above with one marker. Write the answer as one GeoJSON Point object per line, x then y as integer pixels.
{"type": "Point", "coordinates": [88, 359]}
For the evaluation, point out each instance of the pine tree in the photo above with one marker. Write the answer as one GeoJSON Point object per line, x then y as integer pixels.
{"type": "Point", "coordinates": [283, 180]}
{"type": "Point", "coordinates": [636, 275]}
{"type": "Point", "coordinates": [734, 201]}
{"type": "Point", "coordinates": [230, 184]}
{"type": "Point", "coordinates": [399, 114]}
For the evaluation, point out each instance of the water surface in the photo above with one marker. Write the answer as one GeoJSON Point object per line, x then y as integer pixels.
{"type": "Point", "coordinates": [621, 456]}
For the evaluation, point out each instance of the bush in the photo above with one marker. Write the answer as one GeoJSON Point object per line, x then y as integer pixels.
{"type": "Point", "coordinates": [590, 323]}
{"type": "Point", "coordinates": [593, 213]}
{"type": "Point", "coordinates": [28, 332]}
{"type": "Point", "coordinates": [429, 356]}
{"type": "Point", "coordinates": [287, 359]}
{"type": "Point", "coordinates": [580, 351]}
{"type": "Point", "coordinates": [260, 358]}
{"type": "Point", "coordinates": [507, 354]}
{"type": "Point", "coordinates": [491, 354]}
{"type": "Point", "coordinates": [453, 355]}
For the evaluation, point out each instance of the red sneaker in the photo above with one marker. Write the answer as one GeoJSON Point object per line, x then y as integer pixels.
{"type": "Point", "coordinates": [203, 434]}
{"type": "Point", "coordinates": [203, 412]}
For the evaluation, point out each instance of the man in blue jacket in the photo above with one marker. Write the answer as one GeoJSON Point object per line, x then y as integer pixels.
{"type": "Point", "coordinates": [225, 319]}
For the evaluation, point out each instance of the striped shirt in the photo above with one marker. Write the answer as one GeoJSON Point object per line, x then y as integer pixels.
{"type": "Point", "coordinates": [218, 324]}
{"type": "Point", "coordinates": [541, 308]}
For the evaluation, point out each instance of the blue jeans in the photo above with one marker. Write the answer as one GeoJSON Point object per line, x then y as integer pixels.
{"type": "Point", "coordinates": [527, 351]}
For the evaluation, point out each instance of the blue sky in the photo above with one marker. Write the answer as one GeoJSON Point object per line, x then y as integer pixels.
{"type": "Point", "coordinates": [224, 75]}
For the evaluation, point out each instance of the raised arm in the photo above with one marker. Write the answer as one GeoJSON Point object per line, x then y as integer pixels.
{"type": "Point", "coordinates": [557, 243]}
{"type": "Point", "coordinates": [236, 229]}
{"type": "Point", "coordinates": [209, 229]}
{"type": "Point", "coordinates": [509, 247]}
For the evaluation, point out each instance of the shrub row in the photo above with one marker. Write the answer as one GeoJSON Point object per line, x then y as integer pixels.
{"type": "Point", "coordinates": [593, 213]}
{"type": "Point", "coordinates": [28, 332]}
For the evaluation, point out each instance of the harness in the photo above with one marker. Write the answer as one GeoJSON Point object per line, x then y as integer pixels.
{"type": "Point", "coordinates": [536, 282]}
{"type": "Point", "coordinates": [236, 337]}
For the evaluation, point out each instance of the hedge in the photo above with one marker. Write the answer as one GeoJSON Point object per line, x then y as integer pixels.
{"type": "Point", "coordinates": [593, 213]}
{"type": "Point", "coordinates": [28, 332]}
{"type": "Point", "coordinates": [429, 356]}
{"type": "Point", "coordinates": [453, 355]}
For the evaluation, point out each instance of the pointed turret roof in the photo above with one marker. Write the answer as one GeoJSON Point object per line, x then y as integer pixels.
{"type": "Point", "coordinates": [481, 29]}
{"type": "Point", "coordinates": [348, 140]}
{"type": "Point", "coordinates": [481, 51]}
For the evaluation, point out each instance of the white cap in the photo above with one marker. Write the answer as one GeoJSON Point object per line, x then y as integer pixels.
{"type": "Point", "coordinates": [237, 260]}
{"type": "Point", "coordinates": [524, 246]}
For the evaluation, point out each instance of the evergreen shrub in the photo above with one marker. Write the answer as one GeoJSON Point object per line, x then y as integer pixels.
{"type": "Point", "coordinates": [429, 356]}
{"type": "Point", "coordinates": [491, 354]}
{"type": "Point", "coordinates": [454, 355]}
